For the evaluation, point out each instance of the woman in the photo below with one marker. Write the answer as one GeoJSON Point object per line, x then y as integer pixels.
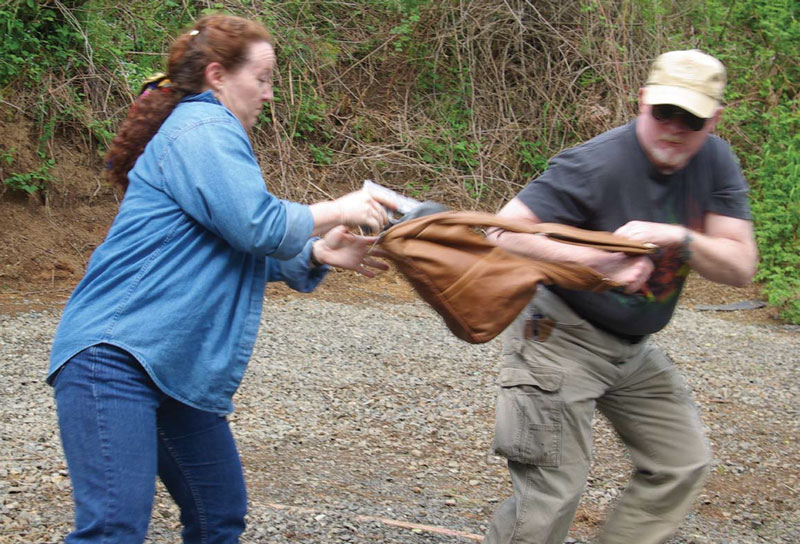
{"type": "Point", "coordinates": [154, 340]}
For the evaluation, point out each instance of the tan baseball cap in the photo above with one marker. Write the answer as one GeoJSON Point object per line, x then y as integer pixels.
{"type": "Point", "coordinates": [689, 79]}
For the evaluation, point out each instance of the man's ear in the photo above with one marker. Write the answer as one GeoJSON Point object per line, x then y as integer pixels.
{"type": "Point", "coordinates": [215, 76]}
{"type": "Point", "coordinates": [712, 123]}
{"type": "Point", "coordinates": [641, 98]}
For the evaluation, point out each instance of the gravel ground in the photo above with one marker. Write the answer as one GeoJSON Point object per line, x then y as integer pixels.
{"type": "Point", "coordinates": [368, 422]}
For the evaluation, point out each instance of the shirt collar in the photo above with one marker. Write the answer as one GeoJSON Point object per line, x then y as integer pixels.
{"type": "Point", "coordinates": [205, 96]}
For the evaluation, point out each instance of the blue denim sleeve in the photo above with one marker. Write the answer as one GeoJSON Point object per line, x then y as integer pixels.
{"type": "Point", "coordinates": [297, 272]}
{"type": "Point", "coordinates": [210, 170]}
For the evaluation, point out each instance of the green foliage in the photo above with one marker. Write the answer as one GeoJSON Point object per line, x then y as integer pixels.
{"type": "Point", "coordinates": [36, 38]}
{"type": "Point", "coordinates": [27, 182]}
{"type": "Point", "coordinates": [534, 158]}
{"type": "Point", "coordinates": [757, 41]}
{"type": "Point", "coordinates": [404, 31]}
{"type": "Point", "coordinates": [417, 189]}
{"type": "Point", "coordinates": [449, 148]}
{"type": "Point", "coordinates": [80, 57]}
{"type": "Point", "coordinates": [69, 38]}
{"type": "Point", "coordinates": [321, 155]}
{"type": "Point", "coordinates": [777, 211]}
{"type": "Point", "coordinates": [130, 39]}
{"type": "Point", "coordinates": [308, 116]}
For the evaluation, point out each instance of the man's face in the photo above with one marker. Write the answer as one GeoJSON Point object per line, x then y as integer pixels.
{"type": "Point", "coordinates": [669, 143]}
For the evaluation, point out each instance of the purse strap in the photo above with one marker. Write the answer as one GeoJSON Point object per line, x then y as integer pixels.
{"type": "Point", "coordinates": [555, 231]}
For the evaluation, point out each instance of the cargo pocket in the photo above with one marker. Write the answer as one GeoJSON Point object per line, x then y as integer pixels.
{"type": "Point", "coordinates": [528, 416]}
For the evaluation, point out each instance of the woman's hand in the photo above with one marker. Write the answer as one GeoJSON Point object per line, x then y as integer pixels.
{"type": "Point", "coordinates": [362, 209]}
{"type": "Point", "coordinates": [343, 249]}
{"type": "Point", "coordinates": [357, 209]}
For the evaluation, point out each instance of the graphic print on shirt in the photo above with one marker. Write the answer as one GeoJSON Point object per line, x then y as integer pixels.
{"type": "Point", "coordinates": [669, 273]}
{"type": "Point", "coordinates": [669, 269]}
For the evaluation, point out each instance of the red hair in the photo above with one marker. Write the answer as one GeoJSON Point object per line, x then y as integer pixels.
{"type": "Point", "coordinates": [215, 38]}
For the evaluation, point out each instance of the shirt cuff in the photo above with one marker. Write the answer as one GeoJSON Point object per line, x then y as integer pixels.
{"type": "Point", "coordinates": [299, 226]}
{"type": "Point", "coordinates": [297, 272]}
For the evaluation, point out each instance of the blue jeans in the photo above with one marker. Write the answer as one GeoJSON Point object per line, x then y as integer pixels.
{"type": "Point", "coordinates": [119, 432]}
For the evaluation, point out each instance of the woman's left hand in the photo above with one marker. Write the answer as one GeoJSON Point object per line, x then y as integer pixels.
{"type": "Point", "coordinates": [343, 249]}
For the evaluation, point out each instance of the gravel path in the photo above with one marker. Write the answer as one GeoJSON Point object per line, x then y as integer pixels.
{"type": "Point", "coordinates": [370, 423]}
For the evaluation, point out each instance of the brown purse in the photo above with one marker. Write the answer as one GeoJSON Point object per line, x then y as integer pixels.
{"type": "Point", "coordinates": [477, 287]}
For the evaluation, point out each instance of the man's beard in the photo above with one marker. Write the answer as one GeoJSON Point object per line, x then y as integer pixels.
{"type": "Point", "coordinates": [669, 159]}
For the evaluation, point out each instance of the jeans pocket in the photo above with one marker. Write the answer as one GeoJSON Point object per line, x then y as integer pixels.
{"type": "Point", "coordinates": [528, 416]}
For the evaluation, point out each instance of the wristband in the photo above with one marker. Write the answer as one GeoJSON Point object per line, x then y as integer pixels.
{"type": "Point", "coordinates": [684, 251]}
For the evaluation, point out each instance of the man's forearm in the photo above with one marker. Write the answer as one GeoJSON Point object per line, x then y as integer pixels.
{"type": "Point", "coordinates": [720, 259]}
{"type": "Point", "coordinates": [541, 248]}
{"type": "Point", "coordinates": [628, 271]}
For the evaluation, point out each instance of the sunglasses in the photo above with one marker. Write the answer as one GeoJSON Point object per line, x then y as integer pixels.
{"type": "Point", "coordinates": [666, 112]}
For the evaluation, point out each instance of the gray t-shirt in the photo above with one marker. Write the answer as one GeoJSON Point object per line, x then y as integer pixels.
{"type": "Point", "coordinates": [606, 182]}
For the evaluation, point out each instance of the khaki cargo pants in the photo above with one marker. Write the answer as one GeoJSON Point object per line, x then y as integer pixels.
{"type": "Point", "coordinates": [552, 379]}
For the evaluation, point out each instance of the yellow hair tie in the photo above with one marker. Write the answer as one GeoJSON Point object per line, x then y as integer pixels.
{"type": "Point", "coordinates": [157, 81]}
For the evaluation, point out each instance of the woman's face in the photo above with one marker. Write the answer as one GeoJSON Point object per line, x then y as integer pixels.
{"type": "Point", "coordinates": [245, 90]}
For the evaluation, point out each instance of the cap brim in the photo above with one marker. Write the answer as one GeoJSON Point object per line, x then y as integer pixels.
{"type": "Point", "coordinates": [692, 101]}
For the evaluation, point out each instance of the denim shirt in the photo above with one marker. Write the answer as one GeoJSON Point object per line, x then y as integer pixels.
{"type": "Point", "coordinates": [179, 280]}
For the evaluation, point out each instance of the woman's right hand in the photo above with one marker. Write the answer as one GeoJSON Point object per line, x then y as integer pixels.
{"type": "Point", "coordinates": [357, 209]}
{"type": "Point", "coordinates": [362, 209]}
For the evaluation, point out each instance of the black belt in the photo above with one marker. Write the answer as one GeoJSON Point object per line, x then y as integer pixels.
{"type": "Point", "coordinates": [629, 338]}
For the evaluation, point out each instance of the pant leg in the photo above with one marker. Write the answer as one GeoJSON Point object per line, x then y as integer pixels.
{"type": "Point", "coordinates": [656, 419]}
{"type": "Point", "coordinates": [107, 418]}
{"type": "Point", "coordinates": [542, 507]}
{"type": "Point", "coordinates": [200, 467]}
{"type": "Point", "coordinates": [549, 384]}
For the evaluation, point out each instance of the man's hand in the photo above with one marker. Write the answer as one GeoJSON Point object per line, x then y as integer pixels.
{"type": "Point", "coordinates": [723, 250]}
{"type": "Point", "coordinates": [632, 272]}
{"type": "Point", "coordinates": [660, 234]}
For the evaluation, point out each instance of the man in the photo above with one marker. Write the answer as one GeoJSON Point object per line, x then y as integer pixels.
{"type": "Point", "coordinates": [663, 178]}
